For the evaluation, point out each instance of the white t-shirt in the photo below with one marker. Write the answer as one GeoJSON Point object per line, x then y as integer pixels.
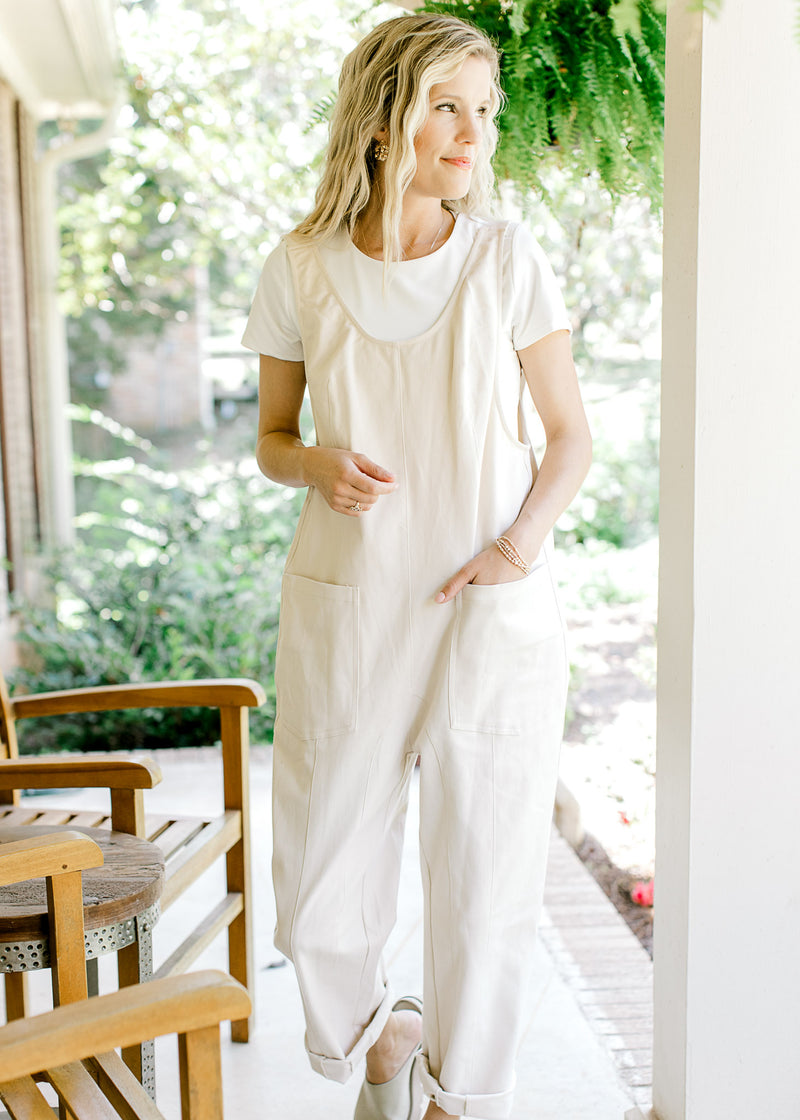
{"type": "Point", "coordinates": [418, 293]}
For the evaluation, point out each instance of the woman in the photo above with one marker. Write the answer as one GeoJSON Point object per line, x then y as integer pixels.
{"type": "Point", "coordinates": [418, 612]}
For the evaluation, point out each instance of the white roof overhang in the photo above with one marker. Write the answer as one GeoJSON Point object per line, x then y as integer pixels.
{"type": "Point", "coordinates": [59, 56]}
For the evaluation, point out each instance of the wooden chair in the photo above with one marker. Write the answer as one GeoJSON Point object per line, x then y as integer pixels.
{"type": "Point", "coordinates": [190, 845]}
{"type": "Point", "coordinates": [73, 1047]}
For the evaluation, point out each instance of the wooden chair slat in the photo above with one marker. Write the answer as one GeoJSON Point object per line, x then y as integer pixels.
{"type": "Point", "coordinates": [155, 825]}
{"type": "Point", "coordinates": [89, 819]}
{"type": "Point", "coordinates": [21, 815]}
{"type": "Point", "coordinates": [80, 1092]}
{"type": "Point", "coordinates": [178, 833]}
{"type": "Point", "coordinates": [122, 1089]}
{"type": "Point", "coordinates": [217, 837]}
{"type": "Point", "coordinates": [54, 816]}
{"type": "Point", "coordinates": [24, 1100]}
{"type": "Point", "coordinates": [201, 936]}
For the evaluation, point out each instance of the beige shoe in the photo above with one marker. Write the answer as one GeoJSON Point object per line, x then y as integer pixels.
{"type": "Point", "coordinates": [400, 1098]}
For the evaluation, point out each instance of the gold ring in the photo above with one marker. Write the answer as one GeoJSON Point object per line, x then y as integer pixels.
{"type": "Point", "coordinates": [356, 508]}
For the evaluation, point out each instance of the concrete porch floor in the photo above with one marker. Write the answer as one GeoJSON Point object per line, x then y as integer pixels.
{"type": "Point", "coordinates": [578, 1061]}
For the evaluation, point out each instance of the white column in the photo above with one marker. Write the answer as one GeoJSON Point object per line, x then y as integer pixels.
{"type": "Point", "coordinates": [59, 482]}
{"type": "Point", "coordinates": [727, 942]}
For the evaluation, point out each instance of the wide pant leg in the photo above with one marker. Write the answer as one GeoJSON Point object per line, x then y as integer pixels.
{"type": "Point", "coordinates": [488, 724]}
{"type": "Point", "coordinates": [338, 819]}
{"type": "Point", "coordinates": [486, 800]}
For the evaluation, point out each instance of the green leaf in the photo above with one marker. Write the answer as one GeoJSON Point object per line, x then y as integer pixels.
{"type": "Point", "coordinates": [517, 17]}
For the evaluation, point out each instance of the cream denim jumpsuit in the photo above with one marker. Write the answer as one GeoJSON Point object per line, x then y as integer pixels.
{"type": "Point", "coordinates": [371, 672]}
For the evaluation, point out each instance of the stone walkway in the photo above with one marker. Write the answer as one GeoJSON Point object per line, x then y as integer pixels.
{"type": "Point", "coordinates": [586, 1051]}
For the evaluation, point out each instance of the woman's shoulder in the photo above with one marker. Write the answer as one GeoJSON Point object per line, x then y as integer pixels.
{"type": "Point", "coordinates": [292, 242]}
{"type": "Point", "coordinates": [519, 241]}
{"type": "Point", "coordinates": [514, 237]}
{"type": "Point", "coordinates": [521, 249]}
{"type": "Point", "coordinates": [275, 263]}
{"type": "Point", "coordinates": [487, 226]}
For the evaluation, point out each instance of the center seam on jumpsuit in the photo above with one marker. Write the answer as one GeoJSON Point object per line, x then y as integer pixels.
{"type": "Point", "coordinates": [407, 507]}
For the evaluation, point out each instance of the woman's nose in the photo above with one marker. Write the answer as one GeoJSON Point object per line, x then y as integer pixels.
{"type": "Point", "coordinates": [470, 131]}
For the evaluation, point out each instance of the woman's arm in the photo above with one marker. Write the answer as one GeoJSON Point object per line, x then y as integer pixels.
{"type": "Point", "coordinates": [550, 373]}
{"type": "Point", "coordinates": [279, 448]}
{"type": "Point", "coordinates": [553, 382]}
{"type": "Point", "coordinates": [343, 477]}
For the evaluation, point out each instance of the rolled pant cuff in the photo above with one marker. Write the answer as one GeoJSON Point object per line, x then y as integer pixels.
{"type": "Point", "coordinates": [480, 1106]}
{"type": "Point", "coordinates": [342, 1069]}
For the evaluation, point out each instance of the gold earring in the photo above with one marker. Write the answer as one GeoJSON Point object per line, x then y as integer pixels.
{"type": "Point", "coordinates": [380, 150]}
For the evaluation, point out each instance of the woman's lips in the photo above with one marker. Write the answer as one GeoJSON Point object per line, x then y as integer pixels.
{"type": "Point", "coordinates": [464, 164]}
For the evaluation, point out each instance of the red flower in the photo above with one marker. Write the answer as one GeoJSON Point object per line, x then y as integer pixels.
{"type": "Point", "coordinates": [642, 892]}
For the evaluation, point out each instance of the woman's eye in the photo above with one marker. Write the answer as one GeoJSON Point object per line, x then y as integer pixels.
{"type": "Point", "coordinates": [450, 107]}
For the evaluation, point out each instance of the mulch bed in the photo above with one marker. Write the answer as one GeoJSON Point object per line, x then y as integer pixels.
{"type": "Point", "coordinates": [616, 883]}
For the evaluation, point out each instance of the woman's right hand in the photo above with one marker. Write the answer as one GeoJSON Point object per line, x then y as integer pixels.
{"type": "Point", "coordinates": [346, 478]}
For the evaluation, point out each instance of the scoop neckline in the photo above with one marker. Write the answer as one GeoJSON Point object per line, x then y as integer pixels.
{"type": "Point", "coordinates": [440, 319]}
{"type": "Point", "coordinates": [415, 260]}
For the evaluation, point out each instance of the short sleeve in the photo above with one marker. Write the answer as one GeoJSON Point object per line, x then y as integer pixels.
{"type": "Point", "coordinates": [537, 305]}
{"type": "Point", "coordinates": [272, 327]}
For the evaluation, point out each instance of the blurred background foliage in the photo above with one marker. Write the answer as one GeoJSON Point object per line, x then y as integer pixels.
{"type": "Point", "coordinates": [174, 576]}
{"type": "Point", "coordinates": [179, 540]}
{"type": "Point", "coordinates": [213, 159]}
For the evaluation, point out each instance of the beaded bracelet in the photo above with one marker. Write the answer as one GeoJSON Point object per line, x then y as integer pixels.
{"type": "Point", "coordinates": [508, 549]}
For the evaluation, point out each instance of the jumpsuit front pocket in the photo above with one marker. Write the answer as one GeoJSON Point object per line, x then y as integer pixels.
{"type": "Point", "coordinates": [316, 665]}
{"type": "Point", "coordinates": [500, 656]}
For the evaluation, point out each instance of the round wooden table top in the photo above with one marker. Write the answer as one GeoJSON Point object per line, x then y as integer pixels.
{"type": "Point", "coordinates": [130, 881]}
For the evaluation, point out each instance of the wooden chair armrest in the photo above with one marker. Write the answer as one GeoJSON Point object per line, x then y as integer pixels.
{"type": "Point", "coordinates": [44, 856]}
{"type": "Point", "coordinates": [220, 693]}
{"type": "Point", "coordinates": [53, 772]}
{"type": "Point", "coordinates": [76, 1031]}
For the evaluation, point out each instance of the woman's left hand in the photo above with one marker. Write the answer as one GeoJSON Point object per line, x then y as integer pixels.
{"type": "Point", "coordinates": [489, 566]}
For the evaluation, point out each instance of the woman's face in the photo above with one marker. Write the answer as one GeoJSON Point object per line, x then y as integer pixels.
{"type": "Point", "coordinates": [448, 142]}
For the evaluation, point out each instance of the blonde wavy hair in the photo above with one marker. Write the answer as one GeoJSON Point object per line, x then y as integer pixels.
{"type": "Point", "coordinates": [385, 83]}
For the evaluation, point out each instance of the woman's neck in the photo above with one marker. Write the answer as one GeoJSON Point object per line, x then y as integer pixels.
{"type": "Point", "coordinates": [423, 229]}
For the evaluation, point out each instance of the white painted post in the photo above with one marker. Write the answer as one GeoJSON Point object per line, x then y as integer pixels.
{"type": "Point", "coordinates": [727, 939]}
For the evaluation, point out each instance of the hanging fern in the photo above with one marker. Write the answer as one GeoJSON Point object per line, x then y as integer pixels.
{"type": "Point", "coordinates": [584, 81]}
{"type": "Point", "coordinates": [321, 112]}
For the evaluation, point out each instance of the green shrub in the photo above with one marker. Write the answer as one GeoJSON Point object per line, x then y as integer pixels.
{"type": "Point", "coordinates": [172, 577]}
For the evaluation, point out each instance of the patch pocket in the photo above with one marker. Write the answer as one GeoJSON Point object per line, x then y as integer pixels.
{"type": "Point", "coordinates": [499, 653]}
{"type": "Point", "coordinates": [316, 666]}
